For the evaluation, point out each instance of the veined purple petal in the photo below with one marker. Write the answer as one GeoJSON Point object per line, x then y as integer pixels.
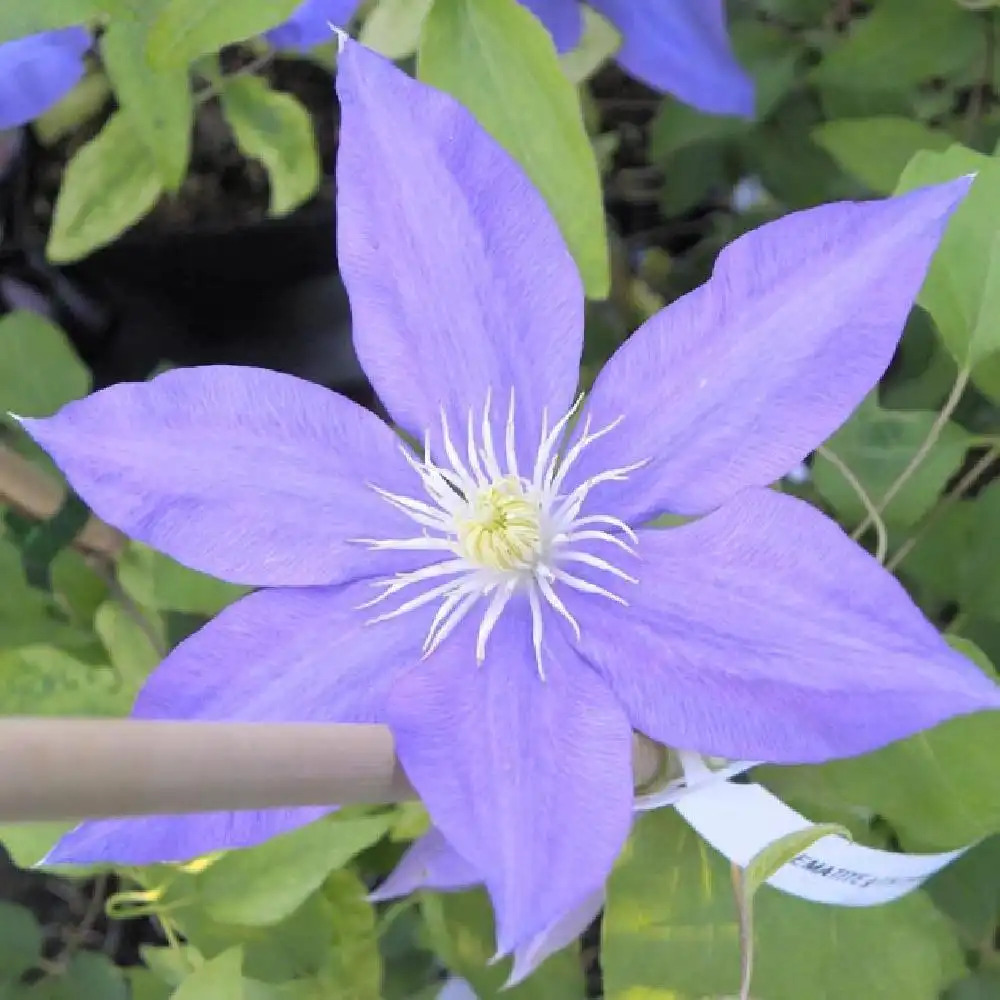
{"type": "Point", "coordinates": [250, 475]}
{"type": "Point", "coordinates": [682, 47]}
{"type": "Point", "coordinates": [562, 18]}
{"type": "Point", "coordinates": [284, 655]}
{"type": "Point", "coordinates": [530, 780]}
{"type": "Point", "coordinates": [761, 632]}
{"type": "Point", "coordinates": [738, 381]}
{"type": "Point", "coordinates": [310, 24]}
{"type": "Point", "coordinates": [430, 863]}
{"type": "Point", "coordinates": [458, 277]}
{"type": "Point", "coordinates": [35, 72]}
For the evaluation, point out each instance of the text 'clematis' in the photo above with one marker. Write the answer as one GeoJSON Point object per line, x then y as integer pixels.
{"type": "Point", "coordinates": [498, 597]}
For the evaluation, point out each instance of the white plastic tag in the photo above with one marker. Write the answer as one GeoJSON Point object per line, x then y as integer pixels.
{"type": "Point", "coordinates": [741, 820]}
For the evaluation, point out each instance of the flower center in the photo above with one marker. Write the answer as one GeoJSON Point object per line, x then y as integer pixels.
{"type": "Point", "coordinates": [501, 531]}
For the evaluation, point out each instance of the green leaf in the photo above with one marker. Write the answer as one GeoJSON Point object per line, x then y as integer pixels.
{"type": "Point", "coordinates": [296, 947]}
{"type": "Point", "coordinates": [354, 966]}
{"type": "Point", "coordinates": [77, 587]}
{"type": "Point", "coordinates": [28, 843]}
{"type": "Point", "coordinates": [460, 927]}
{"type": "Point", "coordinates": [20, 19]}
{"type": "Point", "coordinates": [772, 56]}
{"type": "Point", "coordinates": [393, 27]}
{"type": "Point", "coordinates": [182, 31]}
{"type": "Point", "coordinates": [678, 126]}
{"type": "Point", "coordinates": [133, 645]}
{"type": "Point", "coordinates": [903, 42]}
{"type": "Point", "coordinates": [877, 446]}
{"type": "Point", "coordinates": [598, 43]}
{"type": "Point", "coordinates": [796, 170]}
{"type": "Point", "coordinates": [39, 370]}
{"type": "Point", "coordinates": [963, 283]}
{"type": "Point", "coordinates": [157, 581]}
{"type": "Point", "coordinates": [262, 885]}
{"type": "Point", "coordinates": [939, 789]}
{"type": "Point", "coordinates": [20, 941]}
{"type": "Point", "coordinates": [43, 680]}
{"type": "Point", "coordinates": [956, 558]}
{"type": "Point", "coordinates": [877, 150]}
{"type": "Point", "coordinates": [497, 60]}
{"type": "Point", "coordinates": [40, 542]}
{"type": "Point", "coordinates": [25, 612]}
{"type": "Point", "coordinates": [984, 985]}
{"type": "Point", "coordinates": [144, 985]}
{"type": "Point", "coordinates": [968, 890]}
{"type": "Point", "coordinates": [670, 932]}
{"type": "Point", "coordinates": [156, 102]}
{"type": "Point", "coordinates": [89, 974]}
{"type": "Point", "coordinates": [220, 978]}
{"type": "Point", "coordinates": [277, 130]}
{"type": "Point", "coordinates": [108, 186]}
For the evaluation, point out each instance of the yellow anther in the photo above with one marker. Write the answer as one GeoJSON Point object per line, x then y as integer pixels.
{"type": "Point", "coordinates": [502, 529]}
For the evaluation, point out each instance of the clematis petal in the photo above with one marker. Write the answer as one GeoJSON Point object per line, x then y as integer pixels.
{"type": "Point", "coordinates": [562, 18]}
{"type": "Point", "coordinates": [736, 382]}
{"type": "Point", "coordinates": [530, 780]}
{"type": "Point", "coordinates": [430, 863]}
{"type": "Point", "coordinates": [761, 632]}
{"type": "Point", "coordinates": [275, 656]}
{"type": "Point", "coordinates": [310, 24]}
{"type": "Point", "coordinates": [455, 270]}
{"type": "Point", "coordinates": [250, 475]}
{"type": "Point", "coordinates": [35, 72]}
{"type": "Point", "coordinates": [563, 932]}
{"type": "Point", "coordinates": [682, 47]}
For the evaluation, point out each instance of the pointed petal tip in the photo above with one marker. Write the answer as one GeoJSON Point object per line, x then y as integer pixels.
{"type": "Point", "coordinates": [947, 196]}
{"type": "Point", "coordinates": [342, 37]}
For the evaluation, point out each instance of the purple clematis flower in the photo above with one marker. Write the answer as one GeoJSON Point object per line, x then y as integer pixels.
{"type": "Point", "coordinates": [37, 71]}
{"type": "Point", "coordinates": [498, 598]}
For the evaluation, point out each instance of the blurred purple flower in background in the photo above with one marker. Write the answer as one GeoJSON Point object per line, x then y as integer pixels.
{"type": "Point", "coordinates": [310, 24]}
{"type": "Point", "coordinates": [500, 599]}
{"type": "Point", "coordinates": [680, 47]}
{"type": "Point", "coordinates": [35, 72]}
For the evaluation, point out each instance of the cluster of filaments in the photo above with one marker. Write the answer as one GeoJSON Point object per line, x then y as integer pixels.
{"type": "Point", "coordinates": [502, 529]}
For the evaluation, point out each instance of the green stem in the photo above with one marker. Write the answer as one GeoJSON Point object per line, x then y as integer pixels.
{"type": "Point", "coordinates": [921, 453]}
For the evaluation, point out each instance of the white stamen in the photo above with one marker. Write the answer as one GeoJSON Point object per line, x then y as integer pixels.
{"type": "Point", "coordinates": [500, 598]}
{"type": "Point", "coordinates": [502, 534]}
{"type": "Point", "coordinates": [536, 629]}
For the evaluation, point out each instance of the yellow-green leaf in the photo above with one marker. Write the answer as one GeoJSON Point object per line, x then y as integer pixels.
{"type": "Point", "coordinates": [877, 150]}
{"type": "Point", "coordinates": [108, 186]}
{"type": "Point", "coordinates": [39, 370]}
{"type": "Point", "coordinates": [277, 130]}
{"type": "Point", "coordinates": [262, 885]}
{"type": "Point", "coordinates": [157, 102]}
{"type": "Point", "coordinates": [497, 59]}
{"type": "Point", "coordinates": [183, 30]}
{"type": "Point", "coordinates": [220, 978]}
